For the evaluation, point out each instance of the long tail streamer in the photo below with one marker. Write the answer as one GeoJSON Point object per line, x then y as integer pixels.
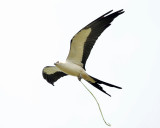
{"type": "Point", "coordinates": [97, 104]}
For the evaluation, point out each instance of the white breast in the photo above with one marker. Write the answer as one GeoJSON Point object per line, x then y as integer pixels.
{"type": "Point", "coordinates": [71, 68]}
{"type": "Point", "coordinates": [74, 70]}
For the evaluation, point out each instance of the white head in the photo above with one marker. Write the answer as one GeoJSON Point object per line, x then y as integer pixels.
{"type": "Point", "coordinates": [56, 63]}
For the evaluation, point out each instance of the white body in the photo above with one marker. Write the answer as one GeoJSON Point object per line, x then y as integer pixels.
{"type": "Point", "coordinates": [80, 48]}
{"type": "Point", "coordinates": [74, 70]}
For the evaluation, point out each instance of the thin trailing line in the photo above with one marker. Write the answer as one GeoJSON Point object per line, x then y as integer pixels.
{"type": "Point", "coordinates": [97, 104]}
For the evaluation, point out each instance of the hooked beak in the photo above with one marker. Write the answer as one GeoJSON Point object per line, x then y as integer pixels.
{"type": "Point", "coordinates": [56, 63]}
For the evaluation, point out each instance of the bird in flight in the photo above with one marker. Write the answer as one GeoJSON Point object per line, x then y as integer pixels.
{"type": "Point", "coordinates": [80, 48]}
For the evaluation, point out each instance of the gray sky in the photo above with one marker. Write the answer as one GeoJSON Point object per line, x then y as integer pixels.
{"type": "Point", "coordinates": [37, 33]}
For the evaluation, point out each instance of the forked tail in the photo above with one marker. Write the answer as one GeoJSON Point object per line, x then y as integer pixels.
{"type": "Point", "coordinates": [97, 82]}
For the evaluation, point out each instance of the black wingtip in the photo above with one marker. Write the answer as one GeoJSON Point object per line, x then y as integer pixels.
{"type": "Point", "coordinates": [121, 11]}
{"type": "Point", "coordinates": [107, 13]}
{"type": "Point", "coordinates": [117, 13]}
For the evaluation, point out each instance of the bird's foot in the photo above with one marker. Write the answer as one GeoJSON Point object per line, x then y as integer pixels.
{"type": "Point", "coordinates": [79, 77]}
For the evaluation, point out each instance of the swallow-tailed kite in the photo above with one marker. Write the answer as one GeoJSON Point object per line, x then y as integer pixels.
{"type": "Point", "coordinates": [80, 48]}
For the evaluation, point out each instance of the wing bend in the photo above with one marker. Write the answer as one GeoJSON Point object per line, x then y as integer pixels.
{"type": "Point", "coordinates": [83, 42]}
{"type": "Point", "coordinates": [52, 74]}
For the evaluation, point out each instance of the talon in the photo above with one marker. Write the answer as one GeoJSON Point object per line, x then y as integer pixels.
{"type": "Point", "coordinates": [80, 77]}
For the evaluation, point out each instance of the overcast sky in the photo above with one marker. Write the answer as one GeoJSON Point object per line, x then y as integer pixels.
{"type": "Point", "coordinates": [37, 33]}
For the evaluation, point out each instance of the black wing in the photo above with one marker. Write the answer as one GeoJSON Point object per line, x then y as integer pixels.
{"type": "Point", "coordinates": [84, 40]}
{"type": "Point", "coordinates": [52, 74]}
